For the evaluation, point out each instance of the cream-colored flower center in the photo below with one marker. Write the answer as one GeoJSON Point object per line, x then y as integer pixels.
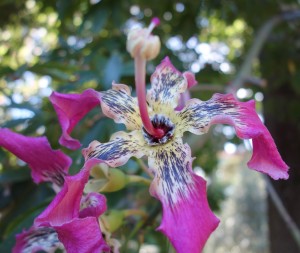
{"type": "Point", "coordinates": [160, 122]}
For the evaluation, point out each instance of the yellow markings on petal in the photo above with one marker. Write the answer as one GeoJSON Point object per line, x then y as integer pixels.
{"type": "Point", "coordinates": [118, 150]}
{"type": "Point", "coordinates": [118, 104]}
{"type": "Point", "coordinates": [166, 85]}
{"type": "Point", "coordinates": [197, 116]}
{"type": "Point", "coordinates": [171, 164]}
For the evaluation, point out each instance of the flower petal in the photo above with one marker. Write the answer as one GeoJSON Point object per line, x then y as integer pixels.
{"type": "Point", "coordinates": [82, 235]}
{"type": "Point", "coordinates": [118, 104]}
{"type": "Point", "coordinates": [166, 85]}
{"type": "Point", "coordinates": [70, 109]}
{"type": "Point", "coordinates": [187, 219]}
{"type": "Point", "coordinates": [45, 163]}
{"type": "Point", "coordinates": [184, 97]}
{"type": "Point", "coordinates": [37, 239]}
{"type": "Point", "coordinates": [198, 116]}
{"type": "Point", "coordinates": [93, 204]}
{"type": "Point", "coordinates": [66, 204]}
{"type": "Point", "coordinates": [117, 151]}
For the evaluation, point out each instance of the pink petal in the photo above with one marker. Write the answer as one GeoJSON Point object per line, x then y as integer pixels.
{"type": "Point", "coordinates": [184, 97]}
{"type": "Point", "coordinates": [70, 109]}
{"type": "Point", "coordinates": [37, 239]}
{"type": "Point", "coordinates": [166, 85]}
{"type": "Point", "coordinates": [187, 219]}
{"type": "Point", "coordinates": [117, 151]}
{"type": "Point", "coordinates": [45, 163]}
{"type": "Point", "coordinates": [66, 204]}
{"type": "Point", "coordinates": [190, 77]}
{"type": "Point", "coordinates": [82, 236]}
{"type": "Point", "coordinates": [198, 116]}
{"type": "Point", "coordinates": [94, 204]}
{"type": "Point", "coordinates": [118, 104]}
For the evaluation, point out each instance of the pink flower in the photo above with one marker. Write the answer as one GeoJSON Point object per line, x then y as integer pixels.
{"type": "Point", "coordinates": [71, 218]}
{"type": "Point", "coordinates": [70, 221]}
{"type": "Point", "coordinates": [186, 213]}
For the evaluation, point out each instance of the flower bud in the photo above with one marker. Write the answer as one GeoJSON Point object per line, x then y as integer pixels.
{"type": "Point", "coordinates": [113, 243]}
{"type": "Point", "coordinates": [106, 179]}
{"type": "Point", "coordinates": [112, 220]}
{"type": "Point", "coordinates": [142, 43]}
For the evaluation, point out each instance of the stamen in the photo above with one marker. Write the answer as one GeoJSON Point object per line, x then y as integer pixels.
{"type": "Point", "coordinates": [140, 75]}
{"type": "Point", "coordinates": [154, 22]}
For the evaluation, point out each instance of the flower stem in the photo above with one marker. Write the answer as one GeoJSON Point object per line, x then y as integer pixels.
{"type": "Point", "coordinates": [290, 223]}
{"type": "Point", "coordinates": [144, 167]}
{"type": "Point", "coordinates": [139, 179]}
{"type": "Point", "coordinates": [130, 212]}
{"type": "Point", "coordinates": [140, 74]}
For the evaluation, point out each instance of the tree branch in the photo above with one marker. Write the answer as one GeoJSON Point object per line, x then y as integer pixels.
{"type": "Point", "coordinates": [259, 41]}
{"type": "Point", "coordinates": [291, 225]}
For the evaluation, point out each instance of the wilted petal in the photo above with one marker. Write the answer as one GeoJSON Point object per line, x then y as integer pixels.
{"type": "Point", "coordinates": [93, 204]}
{"type": "Point", "coordinates": [198, 116]}
{"type": "Point", "coordinates": [119, 105]}
{"type": "Point", "coordinates": [187, 219]}
{"type": "Point", "coordinates": [70, 109]}
{"type": "Point", "coordinates": [37, 239]}
{"type": "Point", "coordinates": [82, 235]}
{"type": "Point", "coordinates": [66, 204]}
{"type": "Point", "coordinates": [166, 85]}
{"type": "Point", "coordinates": [45, 163]}
{"type": "Point", "coordinates": [117, 151]}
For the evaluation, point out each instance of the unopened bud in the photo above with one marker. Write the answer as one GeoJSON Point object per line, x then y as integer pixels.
{"type": "Point", "coordinates": [140, 42]}
{"type": "Point", "coordinates": [113, 243]}
{"type": "Point", "coordinates": [106, 179]}
{"type": "Point", "coordinates": [112, 220]}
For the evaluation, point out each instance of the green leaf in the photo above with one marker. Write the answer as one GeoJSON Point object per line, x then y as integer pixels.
{"type": "Point", "coordinates": [58, 71]}
{"type": "Point", "coordinates": [15, 122]}
{"type": "Point", "coordinates": [112, 70]}
{"type": "Point", "coordinates": [128, 69]}
{"type": "Point", "coordinates": [95, 19]}
{"type": "Point", "coordinates": [6, 71]}
{"type": "Point", "coordinates": [13, 176]}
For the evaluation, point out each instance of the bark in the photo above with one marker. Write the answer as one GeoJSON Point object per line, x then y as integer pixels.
{"type": "Point", "coordinates": [282, 117]}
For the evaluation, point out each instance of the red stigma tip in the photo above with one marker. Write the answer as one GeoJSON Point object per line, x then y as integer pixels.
{"type": "Point", "coordinates": [155, 21]}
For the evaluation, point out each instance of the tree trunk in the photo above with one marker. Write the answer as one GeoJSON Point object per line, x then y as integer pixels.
{"type": "Point", "coordinates": [282, 117]}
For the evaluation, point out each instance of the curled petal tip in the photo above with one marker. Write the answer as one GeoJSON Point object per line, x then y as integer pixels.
{"type": "Point", "coordinates": [70, 109]}
{"type": "Point", "coordinates": [190, 78]}
{"type": "Point", "coordinates": [226, 109]}
{"type": "Point", "coordinates": [86, 151]}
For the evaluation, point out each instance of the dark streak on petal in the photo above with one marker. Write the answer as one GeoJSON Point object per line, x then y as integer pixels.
{"type": "Point", "coordinates": [111, 150]}
{"type": "Point", "coordinates": [172, 173]}
{"type": "Point", "coordinates": [199, 115]}
{"type": "Point", "coordinates": [38, 238]}
{"type": "Point", "coordinates": [115, 152]}
{"type": "Point", "coordinates": [167, 84]}
{"type": "Point", "coordinates": [120, 106]}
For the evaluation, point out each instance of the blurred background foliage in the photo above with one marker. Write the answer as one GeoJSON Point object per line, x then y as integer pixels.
{"type": "Point", "coordinates": [68, 46]}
